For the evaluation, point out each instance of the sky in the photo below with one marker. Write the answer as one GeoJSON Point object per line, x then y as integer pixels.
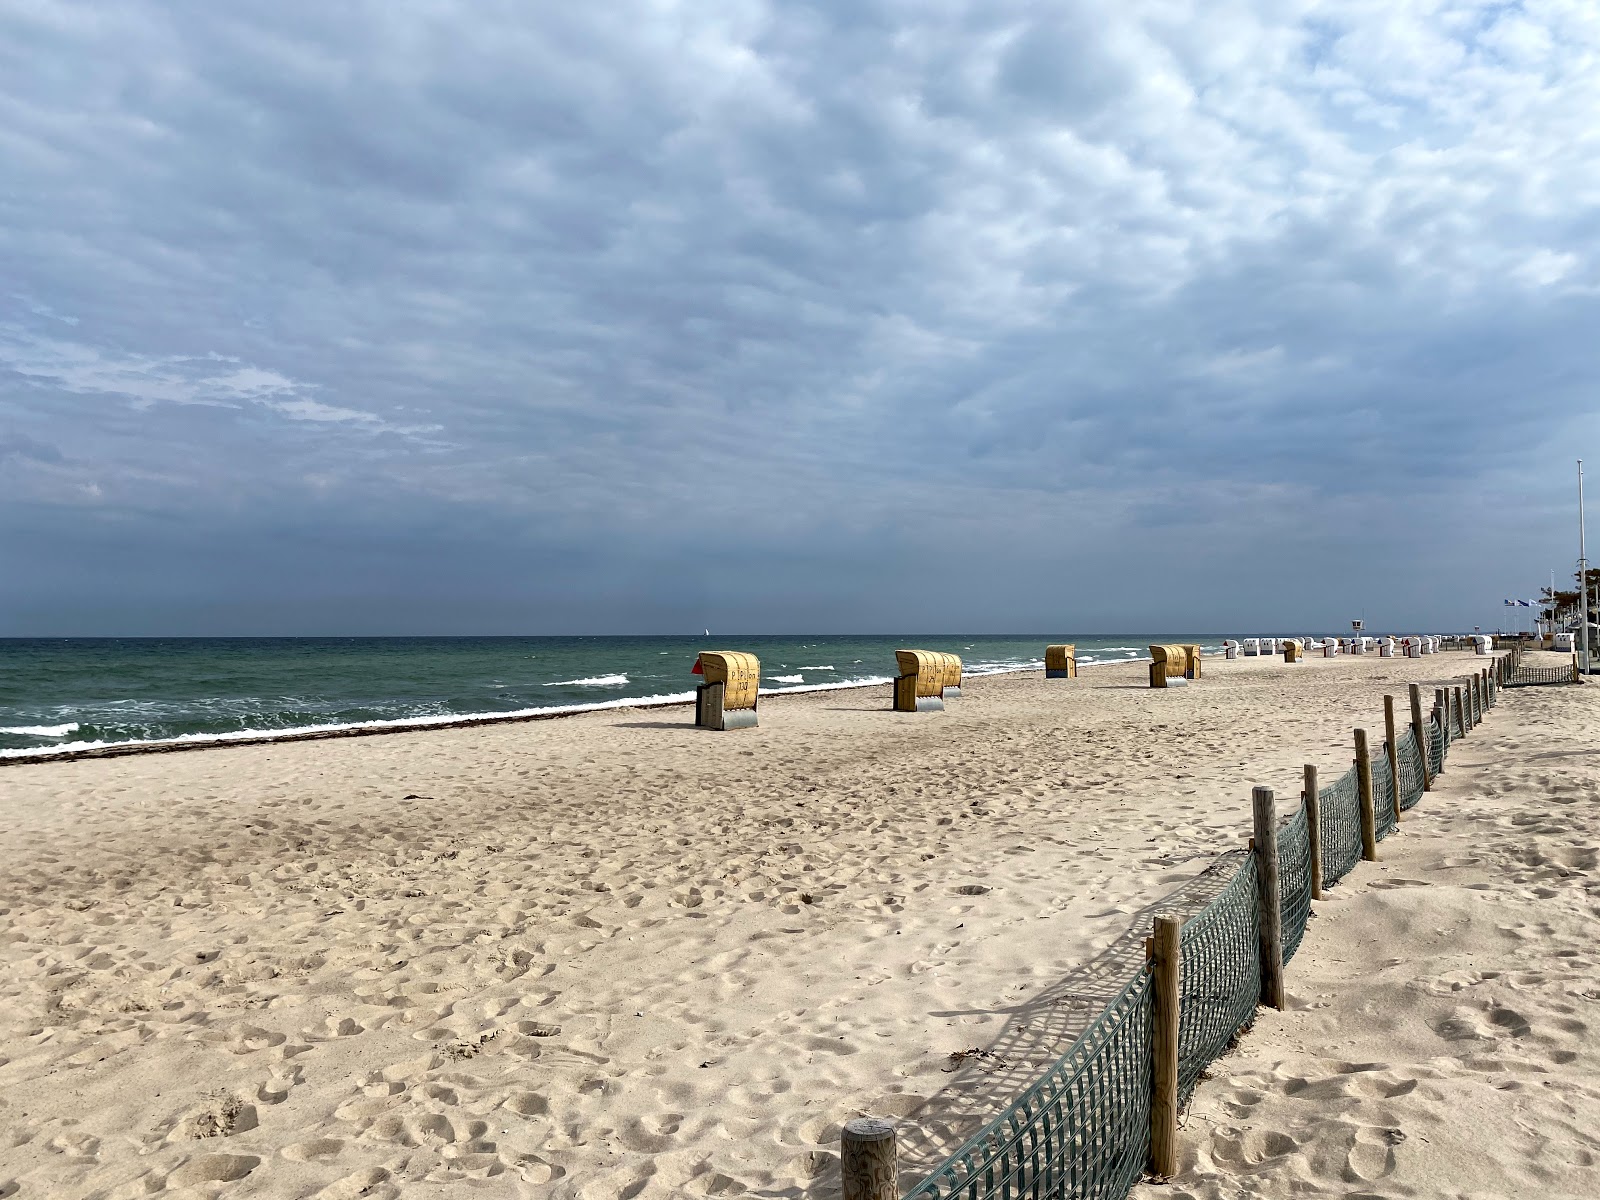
{"type": "Point", "coordinates": [422, 316]}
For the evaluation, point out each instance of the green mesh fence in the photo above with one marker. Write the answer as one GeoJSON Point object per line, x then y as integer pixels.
{"type": "Point", "coordinates": [1220, 977]}
{"type": "Point", "coordinates": [1339, 815]}
{"type": "Point", "coordinates": [1082, 1131]}
{"type": "Point", "coordinates": [1456, 729]}
{"type": "Point", "coordinates": [1383, 819]}
{"type": "Point", "coordinates": [1410, 757]}
{"type": "Point", "coordinates": [1294, 879]}
{"type": "Point", "coordinates": [1537, 676]}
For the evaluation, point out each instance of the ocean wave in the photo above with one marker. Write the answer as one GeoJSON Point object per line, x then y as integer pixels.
{"type": "Point", "coordinates": [594, 681]}
{"type": "Point", "coordinates": [396, 723]}
{"type": "Point", "coordinates": [51, 731]}
{"type": "Point", "coordinates": [817, 668]}
{"type": "Point", "coordinates": [787, 678]}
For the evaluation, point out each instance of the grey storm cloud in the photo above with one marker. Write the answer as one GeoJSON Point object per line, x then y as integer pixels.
{"type": "Point", "coordinates": [874, 314]}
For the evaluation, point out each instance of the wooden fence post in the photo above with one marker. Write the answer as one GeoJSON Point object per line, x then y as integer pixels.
{"type": "Point", "coordinates": [867, 1160]}
{"type": "Point", "coordinates": [1269, 900]}
{"type": "Point", "coordinates": [1394, 756]}
{"type": "Point", "coordinates": [1164, 1048]}
{"type": "Point", "coordinates": [1461, 710]}
{"type": "Point", "coordinates": [1424, 744]}
{"type": "Point", "coordinates": [1369, 823]}
{"type": "Point", "coordinates": [1313, 804]}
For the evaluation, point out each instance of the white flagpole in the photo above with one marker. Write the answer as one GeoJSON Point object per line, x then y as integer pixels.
{"type": "Point", "coordinates": [1583, 578]}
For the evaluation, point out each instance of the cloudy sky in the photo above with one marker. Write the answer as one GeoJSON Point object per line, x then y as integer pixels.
{"type": "Point", "coordinates": [647, 315]}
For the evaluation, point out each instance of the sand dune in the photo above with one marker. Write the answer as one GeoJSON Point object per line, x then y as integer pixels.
{"type": "Point", "coordinates": [613, 956]}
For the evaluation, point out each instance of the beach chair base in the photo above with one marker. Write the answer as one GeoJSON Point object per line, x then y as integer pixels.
{"type": "Point", "coordinates": [952, 692]}
{"type": "Point", "coordinates": [1059, 674]}
{"type": "Point", "coordinates": [907, 700]}
{"type": "Point", "coordinates": [709, 713]}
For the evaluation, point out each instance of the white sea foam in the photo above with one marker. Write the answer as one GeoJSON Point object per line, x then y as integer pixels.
{"type": "Point", "coordinates": [594, 681]}
{"type": "Point", "coordinates": [41, 730]}
{"type": "Point", "coordinates": [829, 668]}
{"type": "Point", "coordinates": [787, 678]}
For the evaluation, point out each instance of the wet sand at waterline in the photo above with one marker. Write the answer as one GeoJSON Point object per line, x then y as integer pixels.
{"type": "Point", "coordinates": [615, 956]}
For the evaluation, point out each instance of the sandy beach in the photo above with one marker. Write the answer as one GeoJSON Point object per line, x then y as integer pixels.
{"type": "Point", "coordinates": [614, 956]}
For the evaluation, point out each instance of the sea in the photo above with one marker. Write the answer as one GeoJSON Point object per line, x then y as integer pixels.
{"type": "Point", "coordinates": [61, 694]}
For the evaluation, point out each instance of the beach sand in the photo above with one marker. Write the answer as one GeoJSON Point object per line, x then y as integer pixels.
{"type": "Point", "coordinates": [615, 956]}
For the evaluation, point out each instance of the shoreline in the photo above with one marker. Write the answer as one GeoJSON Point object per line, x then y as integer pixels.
{"type": "Point", "coordinates": [312, 733]}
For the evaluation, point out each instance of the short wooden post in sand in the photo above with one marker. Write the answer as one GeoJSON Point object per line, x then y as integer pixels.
{"type": "Point", "coordinates": [867, 1159]}
{"type": "Point", "coordinates": [1269, 903]}
{"type": "Point", "coordinates": [1164, 951]}
{"type": "Point", "coordinates": [1369, 821]}
{"type": "Point", "coordinates": [1394, 755]}
{"type": "Point", "coordinates": [1423, 744]}
{"type": "Point", "coordinates": [1461, 710]}
{"type": "Point", "coordinates": [1313, 804]}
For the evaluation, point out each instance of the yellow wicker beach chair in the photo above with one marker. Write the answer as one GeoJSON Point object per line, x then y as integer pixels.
{"type": "Point", "coordinates": [951, 690]}
{"type": "Point", "coordinates": [1193, 653]}
{"type": "Point", "coordinates": [1168, 663]}
{"type": "Point", "coordinates": [1293, 651]}
{"type": "Point", "coordinates": [728, 697]}
{"type": "Point", "coordinates": [921, 682]}
{"type": "Point", "coordinates": [1061, 662]}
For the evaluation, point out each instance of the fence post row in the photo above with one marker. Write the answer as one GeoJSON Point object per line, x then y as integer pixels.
{"type": "Point", "coordinates": [869, 1165]}
{"type": "Point", "coordinates": [1313, 803]}
{"type": "Point", "coordinates": [1165, 981]}
{"type": "Point", "coordinates": [1270, 908]}
{"type": "Point", "coordinates": [1369, 822]}
{"type": "Point", "coordinates": [1423, 745]}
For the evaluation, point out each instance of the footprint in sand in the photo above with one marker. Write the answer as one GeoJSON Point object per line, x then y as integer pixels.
{"type": "Point", "coordinates": [1371, 1158]}
{"type": "Point", "coordinates": [213, 1168]}
{"type": "Point", "coordinates": [364, 1185]}
{"type": "Point", "coordinates": [318, 1150]}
